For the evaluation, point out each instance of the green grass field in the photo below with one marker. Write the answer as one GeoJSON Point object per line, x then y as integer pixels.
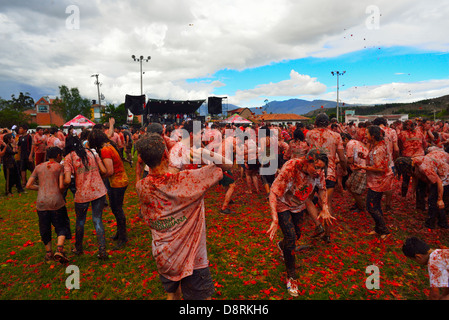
{"type": "Point", "coordinates": [243, 261]}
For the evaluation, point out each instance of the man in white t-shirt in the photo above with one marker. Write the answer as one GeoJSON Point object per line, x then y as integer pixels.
{"type": "Point", "coordinates": [437, 261]}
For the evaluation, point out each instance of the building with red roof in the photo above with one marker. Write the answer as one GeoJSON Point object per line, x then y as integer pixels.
{"type": "Point", "coordinates": [43, 115]}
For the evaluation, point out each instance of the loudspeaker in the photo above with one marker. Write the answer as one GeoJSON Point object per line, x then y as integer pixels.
{"type": "Point", "coordinates": [214, 105]}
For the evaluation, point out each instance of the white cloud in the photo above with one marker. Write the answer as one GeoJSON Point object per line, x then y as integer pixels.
{"type": "Point", "coordinates": [393, 92]}
{"type": "Point", "coordinates": [190, 39]}
{"type": "Point", "coordinates": [297, 85]}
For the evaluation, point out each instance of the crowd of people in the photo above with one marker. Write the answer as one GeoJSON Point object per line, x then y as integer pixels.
{"type": "Point", "coordinates": [177, 164]}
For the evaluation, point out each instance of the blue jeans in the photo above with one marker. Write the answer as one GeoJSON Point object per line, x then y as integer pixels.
{"type": "Point", "coordinates": [290, 224]}
{"type": "Point", "coordinates": [373, 206]}
{"type": "Point", "coordinates": [116, 196]}
{"type": "Point", "coordinates": [97, 213]}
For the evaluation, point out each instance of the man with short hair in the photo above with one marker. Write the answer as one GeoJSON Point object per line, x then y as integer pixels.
{"type": "Point", "coordinates": [323, 137]}
{"type": "Point", "coordinates": [290, 195]}
{"type": "Point", "coordinates": [25, 145]}
{"type": "Point", "coordinates": [39, 147]}
{"type": "Point", "coordinates": [50, 204]}
{"type": "Point", "coordinates": [437, 262]}
{"type": "Point", "coordinates": [173, 206]}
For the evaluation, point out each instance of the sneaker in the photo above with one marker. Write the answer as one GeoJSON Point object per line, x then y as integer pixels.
{"type": "Point", "coordinates": [292, 287]}
{"type": "Point", "coordinates": [226, 211]}
{"type": "Point", "coordinates": [60, 257]}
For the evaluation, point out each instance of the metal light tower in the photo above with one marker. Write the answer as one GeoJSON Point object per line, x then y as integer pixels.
{"type": "Point", "coordinates": [97, 83]}
{"type": "Point", "coordinates": [141, 59]}
{"type": "Point", "coordinates": [338, 74]}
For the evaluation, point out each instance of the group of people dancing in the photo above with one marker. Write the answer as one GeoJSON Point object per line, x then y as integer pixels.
{"type": "Point", "coordinates": [297, 167]}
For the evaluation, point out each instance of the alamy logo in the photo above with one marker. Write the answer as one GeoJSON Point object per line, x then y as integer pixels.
{"type": "Point", "coordinates": [373, 20]}
{"type": "Point", "coordinates": [372, 282]}
{"type": "Point", "coordinates": [73, 20]}
{"type": "Point", "coordinates": [73, 280]}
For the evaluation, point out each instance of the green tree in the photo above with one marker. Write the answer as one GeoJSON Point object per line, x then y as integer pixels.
{"type": "Point", "coordinates": [69, 104]}
{"type": "Point", "coordinates": [119, 113]}
{"type": "Point", "coordinates": [10, 116]}
{"type": "Point", "coordinates": [22, 102]}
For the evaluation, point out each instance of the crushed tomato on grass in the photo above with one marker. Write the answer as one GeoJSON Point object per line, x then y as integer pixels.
{"type": "Point", "coordinates": [244, 263]}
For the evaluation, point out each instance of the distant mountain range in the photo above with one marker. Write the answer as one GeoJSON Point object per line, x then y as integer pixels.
{"type": "Point", "coordinates": [297, 106]}
{"type": "Point", "coordinates": [309, 108]}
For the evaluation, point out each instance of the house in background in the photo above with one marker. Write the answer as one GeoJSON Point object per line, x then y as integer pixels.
{"type": "Point", "coordinates": [97, 111]}
{"type": "Point", "coordinates": [279, 118]}
{"type": "Point", "coordinates": [43, 115]}
{"type": "Point", "coordinates": [243, 112]}
{"type": "Point", "coordinates": [350, 116]}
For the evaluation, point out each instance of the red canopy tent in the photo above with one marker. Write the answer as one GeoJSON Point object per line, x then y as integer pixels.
{"type": "Point", "coordinates": [79, 121]}
{"type": "Point", "coordinates": [235, 118]}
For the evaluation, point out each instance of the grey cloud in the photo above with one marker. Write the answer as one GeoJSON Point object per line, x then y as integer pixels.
{"type": "Point", "coordinates": [191, 38]}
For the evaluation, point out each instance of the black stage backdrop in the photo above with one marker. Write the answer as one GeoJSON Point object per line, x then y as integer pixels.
{"type": "Point", "coordinates": [160, 107]}
{"type": "Point", "coordinates": [135, 104]}
{"type": "Point", "coordinates": [173, 106]}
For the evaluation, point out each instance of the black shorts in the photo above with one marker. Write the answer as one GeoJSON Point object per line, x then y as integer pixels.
{"type": "Point", "coordinates": [25, 164]}
{"type": "Point", "coordinates": [227, 179]}
{"type": "Point", "coordinates": [330, 184]}
{"type": "Point", "coordinates": [60, 221]}
{"type": "Point", "coordinates": [197, 286]}
{"type": "Point", "coordinates": [253, 166]}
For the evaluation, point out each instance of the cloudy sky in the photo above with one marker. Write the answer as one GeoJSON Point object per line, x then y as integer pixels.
{"type": "Point", "coordinates": [245, 50]}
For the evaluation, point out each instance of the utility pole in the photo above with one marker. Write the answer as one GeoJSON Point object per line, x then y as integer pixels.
{"type": "Point", "coordinates": [98, 84]}
{"type": "Point", "coordinates": [338, 74]}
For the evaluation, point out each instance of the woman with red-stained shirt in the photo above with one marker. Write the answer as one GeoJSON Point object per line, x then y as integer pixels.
{"type": "Point", "coordinates": [117, 181]}
{"type": "Point", "coordinates": [87, 168]}
{"type": "Point", "coordinates": [323, 137]}
{"type": "Point", "coordinates": [378, 178]}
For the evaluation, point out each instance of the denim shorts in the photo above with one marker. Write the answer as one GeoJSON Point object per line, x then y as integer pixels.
{"type": "Point", "coordinates": [197, 286]}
